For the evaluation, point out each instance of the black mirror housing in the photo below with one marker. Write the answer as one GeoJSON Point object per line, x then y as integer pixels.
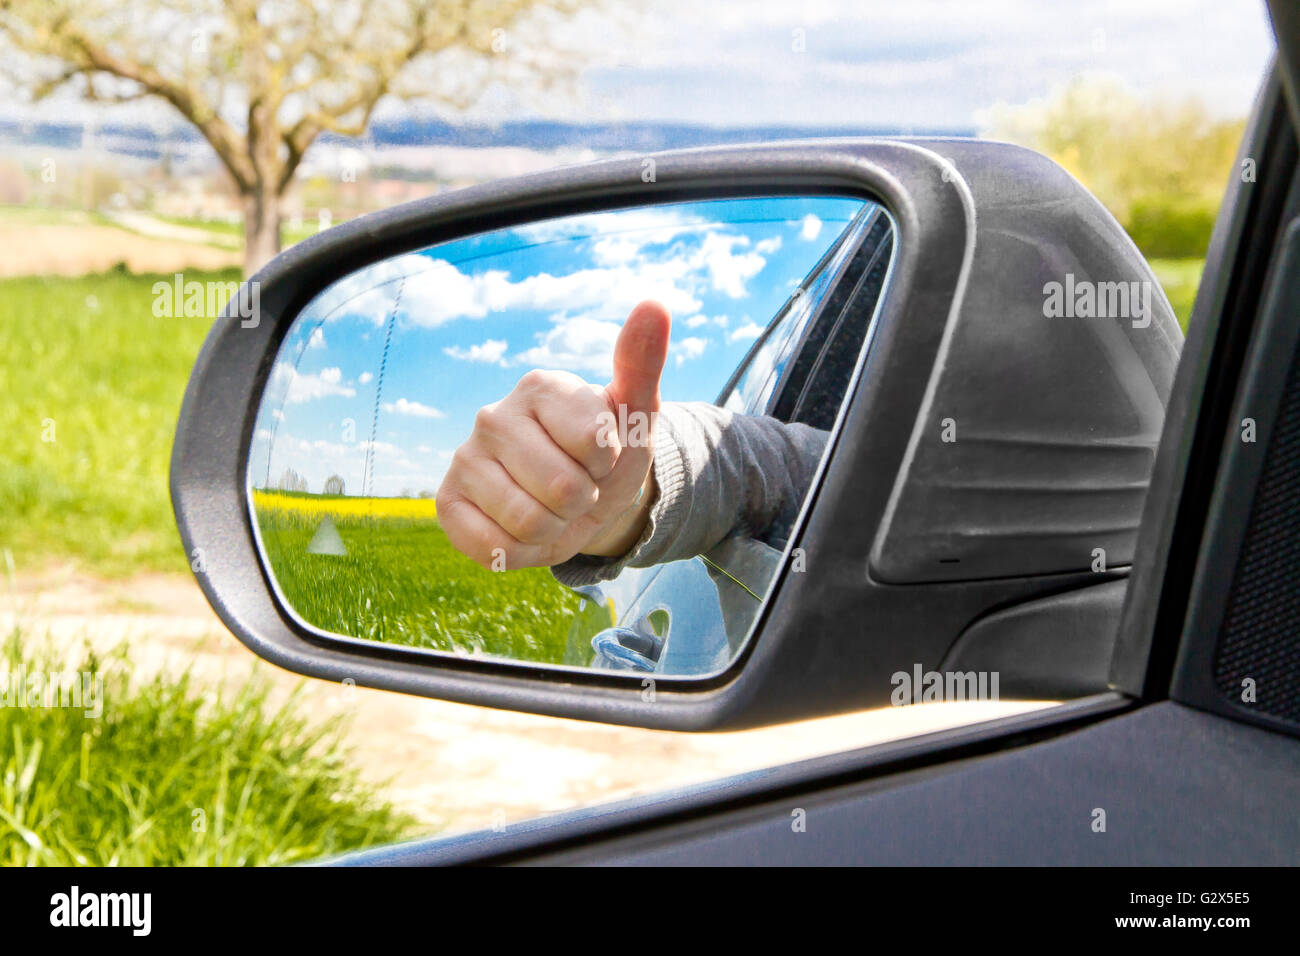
{"type": "Point", "coordinates": [987, 449]}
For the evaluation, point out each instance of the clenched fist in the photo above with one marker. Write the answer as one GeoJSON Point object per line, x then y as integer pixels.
{"type": "Point", "coordinates": [560, 467]}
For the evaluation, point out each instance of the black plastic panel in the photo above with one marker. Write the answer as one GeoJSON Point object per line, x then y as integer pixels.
{"type": "Point", "coordinates": [1055, 647]}
{"type": "Point", "coordinates": [1033, 452]}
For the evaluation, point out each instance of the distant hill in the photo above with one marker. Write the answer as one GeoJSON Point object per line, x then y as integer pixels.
{"type": "Point", "coordinates": [639, 136]}
{"type": "Point", "coordinates": [636, 136]}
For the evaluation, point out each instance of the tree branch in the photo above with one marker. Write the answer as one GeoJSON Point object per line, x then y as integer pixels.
{"type": "Point", "coordinates": [84, 57]}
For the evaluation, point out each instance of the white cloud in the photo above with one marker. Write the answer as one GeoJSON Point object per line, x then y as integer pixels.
{"type": "Point", "coordinates": [490, 351]}
{"type": "Point", "coordinates": [698, 321]}
{"type": "Point", "coordinates": [728, 270]}
{"type": "Point", "coordinates": [810, 228]}
{"type": "Point", "coordinates": [317, 339]}
{"type": "Point", "coordinates": [619, 237]}
{"type": "Point", "coordinates": [299, 387]}
{"type": "Point", "coordinates": [624, 272]}
{"type": "Point", "coordinates": [384, 448]}
{"type": "Point", "coordinates": [690, 348]}
{"type": "Point", "coordinates": [433, 291]}
{"type": "Point", "coordinates": [413, 409]}
{"type": "Point", "coordinates": [745, 333]}
{"type": "Point", "coordinates": [364, 377]}
{"type": "Point", "coordinates": [577, 344]}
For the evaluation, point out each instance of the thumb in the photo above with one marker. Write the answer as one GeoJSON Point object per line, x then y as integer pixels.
{"type": "Point", "coordinates": [639, 356]}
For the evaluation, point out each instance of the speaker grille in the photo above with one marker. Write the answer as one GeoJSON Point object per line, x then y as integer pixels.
{"type": "Point", "coordinates": [1261, 635]}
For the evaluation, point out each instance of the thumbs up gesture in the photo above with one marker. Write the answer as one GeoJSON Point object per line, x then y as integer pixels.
{"type": "Point", "coordinates": [561, 467]}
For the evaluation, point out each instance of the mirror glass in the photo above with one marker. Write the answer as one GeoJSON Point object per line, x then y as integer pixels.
{"type": "Point", "coordinates": [381, 377]}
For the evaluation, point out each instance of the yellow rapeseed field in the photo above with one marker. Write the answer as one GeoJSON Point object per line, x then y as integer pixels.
{"type": "Point", "coordinates": [344, 507]}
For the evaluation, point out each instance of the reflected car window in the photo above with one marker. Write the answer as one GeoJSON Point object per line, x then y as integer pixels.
{"type": "Point", "coordinates": [753, 390]}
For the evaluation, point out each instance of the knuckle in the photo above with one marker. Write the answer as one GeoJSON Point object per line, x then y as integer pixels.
{"type": "Point", "coordinates": [534, 380]}
{"type": "Point", "coordinates": [486, 418]}
{"type": "Point", "coordinates": [446, 505]}
{"type": "Point", "coordinates": [460, 460]}
{"type": "Point", "coordinates": [530, 522]}
{"type": "Point", "coordinates": [572, 493]}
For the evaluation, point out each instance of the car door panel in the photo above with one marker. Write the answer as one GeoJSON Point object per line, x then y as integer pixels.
{"type": "Point", "coordinates": [1177, 787]}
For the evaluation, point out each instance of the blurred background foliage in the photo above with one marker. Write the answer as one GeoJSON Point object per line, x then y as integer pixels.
{"type": "Point", "coordinates": [1160, 167]}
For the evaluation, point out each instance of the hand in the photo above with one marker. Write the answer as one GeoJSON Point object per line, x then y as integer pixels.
{"type": "Point", "coordinates": [560, 467]}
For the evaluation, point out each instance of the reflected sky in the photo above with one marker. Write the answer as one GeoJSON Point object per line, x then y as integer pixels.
{"type": "Point", "coordinates": [379, 378]}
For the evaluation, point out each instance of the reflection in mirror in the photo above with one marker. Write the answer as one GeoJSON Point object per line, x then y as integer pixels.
{"type": "Point", "coordinates": [381, 378]}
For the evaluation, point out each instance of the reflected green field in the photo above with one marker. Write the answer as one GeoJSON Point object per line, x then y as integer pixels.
{"type": "Point", "coordinates": [401, 582]}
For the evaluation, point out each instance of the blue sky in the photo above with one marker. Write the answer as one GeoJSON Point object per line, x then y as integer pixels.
{"type": "Point", "coordinates": [916, 64]}
{"type": "Point", "coordinates": [471, 316]}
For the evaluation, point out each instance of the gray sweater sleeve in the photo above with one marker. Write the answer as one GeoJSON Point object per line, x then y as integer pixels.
{"type": "Point", "coordinates": [719, 473]}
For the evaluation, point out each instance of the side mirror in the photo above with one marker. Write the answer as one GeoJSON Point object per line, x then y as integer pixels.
{"type": "Point", "coordinates": [981, 349]}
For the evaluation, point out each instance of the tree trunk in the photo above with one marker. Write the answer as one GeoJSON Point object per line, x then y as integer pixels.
{"type": "Point", "coordinates": [261, 229]}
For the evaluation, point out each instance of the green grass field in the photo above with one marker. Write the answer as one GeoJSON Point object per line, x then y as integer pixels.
{"type": "Point", "coordinates": [169, 774]}
{"type": "Point", "coordinates": [220, 229]}
{"type": "Point", "coordinates": [92, 384]}
{"type": "Point", "coordinates": [401, 582]}
{"type": "Point", "coordinates": [44, 216]}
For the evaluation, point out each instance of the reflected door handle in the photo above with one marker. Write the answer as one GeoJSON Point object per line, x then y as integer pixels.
{"type": "Point", "coordinates": [628, 649]}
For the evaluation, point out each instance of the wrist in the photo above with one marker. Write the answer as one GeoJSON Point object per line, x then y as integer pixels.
{"type": "Point", "coordinates": [621, 534]}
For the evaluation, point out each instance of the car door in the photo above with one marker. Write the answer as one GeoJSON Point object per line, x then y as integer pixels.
{"type": "Point", "coordinates": [1192, 756]}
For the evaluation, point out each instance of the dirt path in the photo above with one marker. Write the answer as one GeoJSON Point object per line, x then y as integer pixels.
{"type": "Point", "coordinates": [72, 250]}
{"type": "Point", "coordinates": [155, 228]}
{"type": "Point", "coordinates": [456, 767]}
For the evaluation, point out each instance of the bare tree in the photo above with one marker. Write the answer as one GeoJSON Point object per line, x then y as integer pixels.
{"type": "Point", "coordinates": [262, 80]}
{"type": "Point", "coordinates": [290, 480]}
{"type": "Point", "coordinates": [334, 485]}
